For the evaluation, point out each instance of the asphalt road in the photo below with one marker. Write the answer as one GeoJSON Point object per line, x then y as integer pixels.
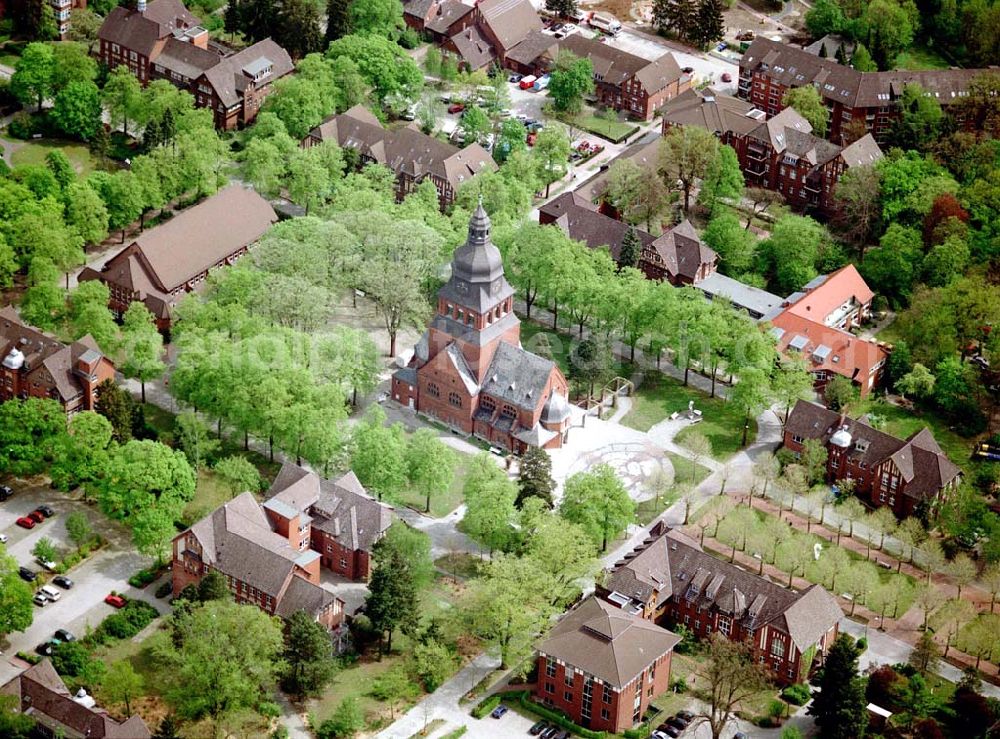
{"type": "Point", "coordinates": [83, 605]}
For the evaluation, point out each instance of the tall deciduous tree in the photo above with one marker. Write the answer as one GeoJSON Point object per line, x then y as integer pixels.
{"type": "Point", "coordinates": [123, 99]}
{"type": "Point", "coordinates": [31, 82]}
{"type": "Point", "coordinates": [599, 503]}
{"type": "Point", "coordinates": [378, 454]}
{"type": "Point", "coordinates": [808, 103]}
{"type": "Point", "coordinates": [489, 501]}
{"type": "Point", "coordinates": [238, 474]}
{"type": "Point", "coordinates": [430, 465]}
{"type": "Point", "coordinates": [731, 675]}
{"type": "Point", "coordinates": [723, 180]}
{"type": "Point", "coordinates": [142, 344]}
{"type": "Point", "coordinates": [123, 684]}
{"type": "Point", "coordinates": [686, 153]}
{"type": "Point", "coordinates": [571, 80]}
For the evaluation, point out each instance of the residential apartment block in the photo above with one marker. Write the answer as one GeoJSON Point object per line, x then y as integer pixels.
{"type": "Point", "coordinates": [603, 666]}
{"type": "Point", "coordinates": [910, 476]}
{"type": "Point", "coordinates": [780, 153]}
{"type": "Point", "coordinates": [167, 262]}
{"type": "Point", "coordinates": [859, 102]}
{"type": "Point", "coordinates": [412, 155]}
{"type": "Point", "coordinates": [63, 10]}
{"type": "Point", "coordinates": [37, 365]}
{"type": "Point", "coordinates": [162, 40]}
{"type": "Point", "coordinates": [469, 371]}
{"type": "Point", "coordinates": [815, 324]}
{"type": "Point", "coordinates": [41, 694]}
{"type": "Point", "coordinates": [678, 256]}
{"type": "Point", "coordinates": [670, 579]}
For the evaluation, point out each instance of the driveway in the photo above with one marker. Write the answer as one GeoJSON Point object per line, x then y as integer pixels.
{"type": "Point", "coordinates": [83, 606]}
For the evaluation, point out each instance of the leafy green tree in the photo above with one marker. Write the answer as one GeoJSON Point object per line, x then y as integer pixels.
{"type": "Point", "coordinates": [376, 17]}
{"type": "Point", "coordinates": [562, 8]}
{"type": "Point", "coordinates": [430, 464]}
{"type": "Point", "coordinates": [43, 301]}
{"type": "Point", "coordinates": [631, 249]}
{"type": "Point", "coordinates": [16, 608]}
{"type": "Point", "coordinates": [475, 125]}
{"type": "Point", "coordinates": [751, 396]}
{"type": "Point", "coordinates": [89, 315]}
{"type": "Point", "coordinates": [599, 503]}
{"type": "Point", "coordinates": [489, 500]}
{"type": "Point", "coordinates": [839, 707]}
{"type": "Point", "coordinates": [347, 720]}
{"type": "Point", "coordinates": [918, 382]}
{"type": "Point", "coordinates": [890, 30]}
{"type": "Point", "coordinates": [116, 405]}
{"type": "Point", "coordinates": [308, 656]}
{"type": "Point", "coordinates": [392, 686]}
{"type": "Point", "coordinates": [382, 63]}
{"type": "Point", "coordinates": [392, 595]}
{"type": "Point", "coordinates": [211, 670]}
{"type": "Point", "coordinates": [560, 549]}
{"type": "Point", "coordinates": [86, 214]}
{"type": "Point", "coordinates": [680, 17]}
{"type": "Point", "coordinates": [825, 17]}
{"type": "Point", "coordinates": [919, 121]}
{"type": "Point", "coordinates": [13, 723]}
{"type": "Point", "coordinates": [723, 180]}
{"type": "Point", "coordinates": [378, 455]}
{"type": "Point", "coordinates": [309, 182]}
{"type": "Point", "coordinates": [28, 429]}
{"type": "Point", "coordinates": [862, 60]}
{"type": "Point", "coordinates": [195, 439]}
{"type": "Point", "coordinates": [213, 586]}
{"type": "Point", "coordinates": [122, 684]}
{"type": "Point", "coordinates": [508, 606]}
{"type": "Point", "coordinates": [298, 103]}
{"type": "Point", "coordinates": [709, 25]}
{"type": "Point", "coordinates": [791, 252]}
{"type": "Point", "coordinates": [79, 529]}
{"type": "Point", "coordinates": [238, 474]}
{"type": "Point", "coordinates": [145, 475]}
{"type": "Point", "coordinates": [571, 80]}
{"type": "Point", "coordinates": [123, 98]}
{"type": "Point", "coordinates": [734, 245]}
{"type": "Point", "coordinates": [732, 675]}
{"type": "Point", "coordinates": [551, 155]}
{"type": "Point", "coordinates": [535, 477]}
{"type": "Point", "coordinates": [45, 550]}
{"type": "Point", "coordinates": [685, 155]}
{"type": "Point", "coordinates": [414, 547]}
{"type": "Point", "coordinates": [77, 109]}
{"type": "Point", "coordinates": [33, 73]}
{"type": "Point", "coordinates": [808, 103]}
{"type": "Point", "coordinates": [121, 198]}
{"type": "Point", "coordinates": [143, 346]}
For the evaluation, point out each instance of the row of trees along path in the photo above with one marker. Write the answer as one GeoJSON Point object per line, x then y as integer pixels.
{"type": "Point", "coordinates": [858, 537]}
{"type": "Point", "coordinates": [906, 626]}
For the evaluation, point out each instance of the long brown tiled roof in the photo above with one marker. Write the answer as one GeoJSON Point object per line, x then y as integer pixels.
{"type": "Point", "coordinates": [41, 694]}
{"type": "Point", "coordinates": [473, 47]}
{"type": "Point", "coordinates": [580, 219]}
{"type": "Point", "coordinates": [682, 250]}
{"type": "Point", "coordinates": [674, 566]}
{"type": "Point", "coordinates": [229, 77]}
{"type": "Point", "coordinates": [510, 21]}
{"type": "Point", "coordinates": [140, 32]}
{"type": "Point", "coordinates": [443, 15]}
{"type": "Point", "coordinates": [715, 112]}
{"type": "Point", "coordinates": [185, 58]}
{"type": "Point", "coordinates": [194, 240]}
{"type": "Point", "coordinates": [606, 642]}
{"type": "Point", "coordinates": [645, 155]}
{"type": "Point", "coordinates": [864, 151]}
{"type": "Point", "coordinates": [795, 67]}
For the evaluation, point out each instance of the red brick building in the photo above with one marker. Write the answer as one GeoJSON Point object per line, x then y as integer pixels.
{"type": "Point", "coordinates": [859, 102]}
{"type": "Point", "coordinates": [264, 555]}
{"type": "Point", "coordinates": [167, 262]}
{"type": "Point", "coordinates": [778, 154]}
{"type": "Point", "coordinates": [40, 693]}
{"type": "Point", "coordinates": [342, 521]}
{"type": "Point", "coordinates": [438, 19]}
{"type": "Point", "coordinates": [163, 40]}
{"type": "Point", "coordinates": [469, 370]}
{"type": "Point", "coordinates": [37, 365]}
{"type": "Point", "coordinates": [63, 10]}
{"type": "Point", "coordinates": [910, 476]}
{"type": "Point", "coordinates": [602, 666]}
{"type": "Point", "coordinates": [815, 324]}
{"type": "Point", "coordinates": [669, 579]}
{"type": "Point", "coordinates": [412, 155]}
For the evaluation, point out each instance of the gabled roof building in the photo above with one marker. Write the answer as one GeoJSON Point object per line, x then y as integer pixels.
{"type": "Point", "coordinates": [911, 476]}
{"type": "Point", "coordinates": [163, 40]}
{"type": "Point", "coordinates": [469, 371]}
{"type": "Point", "coordinates": [670, 579]}
{"type": "Point", "coordinates": [41, 694]}
{"type": "Point", "coordinates": [603, 666]}
{"type": "Point", "coordinates": [34, 364]}
{"type": "Point", "coordinates": [166, 262]}
{"type": "Point", "coordinates": [412, 155]}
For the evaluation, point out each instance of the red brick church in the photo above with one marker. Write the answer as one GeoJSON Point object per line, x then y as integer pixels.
{"type": "Point", "coordinates": [469, 371]}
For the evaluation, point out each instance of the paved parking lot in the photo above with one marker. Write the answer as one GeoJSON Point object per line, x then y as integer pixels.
{"type": "Point", "coordinates": [83, 605]}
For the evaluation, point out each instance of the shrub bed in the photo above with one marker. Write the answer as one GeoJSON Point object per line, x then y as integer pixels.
{"type": "Point", "coordinates": [486, 707]}
{"type": "Point", "coordinates": [456, 733]}
{"type": "Point", "coordinates": [554, 716]}
{"type": "Point", "coordinates": [639, 732]}
{"type": "Point", "coordinates": [797, 695]}
{"type": "Point", "coordinates": [31, 659]}
{"type": "Point", "coordinates": [129, 621]}
{"type": "Point", "coordinates": [165, 589]}
{"type": "Point", "coordinates": [144, 577]}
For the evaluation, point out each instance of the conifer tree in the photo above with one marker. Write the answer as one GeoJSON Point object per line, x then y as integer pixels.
{"type": "Point", "coordinates": [337, 19]}
{"type": "Point", "coordinates": [535, 478]}
{"type": "Point", "coordinates": [840, 706]}
{"type": "Point", "coordinates": [631, 249]}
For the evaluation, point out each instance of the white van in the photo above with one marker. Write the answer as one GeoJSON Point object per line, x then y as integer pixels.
{"type": "Point", "coordinates": [605, 22]}
{"type": "Point", "coordinates": [50, 592]}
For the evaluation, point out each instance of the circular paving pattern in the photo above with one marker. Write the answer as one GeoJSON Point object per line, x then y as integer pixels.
{"type": "Point", "coordinates": [633, 463]}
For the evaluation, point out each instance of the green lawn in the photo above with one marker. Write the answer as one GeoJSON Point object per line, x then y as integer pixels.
{"type": "Point", "coordinates": [34, 152]}
{"type": "Point", "coordinates": [659, 396]}
{"type": "Point", "coordinates": [208, 495]}
{"type": "Point", "coordinates": [443, 503]}
{"type": "Point", "coordinates": [613, 130]}
{"type": "Point", "coordinates": [919, 58]}
{"type": "Point", "coordinates": [545, 342]}
{"type": "Point", "coordinates": [685, 473]}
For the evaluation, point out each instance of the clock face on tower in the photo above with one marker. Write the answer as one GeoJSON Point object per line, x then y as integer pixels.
{"type": "Point", "coordinates": [462, 287]}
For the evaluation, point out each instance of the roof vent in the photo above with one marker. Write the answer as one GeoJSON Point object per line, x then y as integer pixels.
{"type": "Point", "coordinates": [841, 437]}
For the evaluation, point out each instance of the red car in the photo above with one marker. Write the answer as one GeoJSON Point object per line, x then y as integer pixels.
{"type": "Point", "coordinates": [37, 516]}
{"type": "Point", "coordinates": [456, 108]}
{"type": "Point", "coordinates": [26, 523]}
{"type": "Point", "coordinates": [726, 77]}
{"type": "Point", "coordinates": [115, 600]}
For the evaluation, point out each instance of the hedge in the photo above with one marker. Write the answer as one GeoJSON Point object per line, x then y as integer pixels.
{"type": "Point", "coordinates": [639, 732]}
{"type": "Point", "coordinates": [143, 578]}
{"type": "Point", "coordinates": [797, 695]}
{"type": "Point", "coordinates": [126, 623]}
{"type": "Point", "coordinates": [486, 707]}
{"type": "Point", "coordinates": [456, 733]}
{"type": "Point", "coordinates": [554, 716]}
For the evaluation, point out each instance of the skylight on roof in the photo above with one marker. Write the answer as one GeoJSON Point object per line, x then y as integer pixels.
{"type": "Point", "coordinates": [798, 342]}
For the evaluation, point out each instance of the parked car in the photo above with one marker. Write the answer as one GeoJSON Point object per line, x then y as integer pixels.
{"type": "Point", "coordinates": [456, 108]}
{"type": "Point", "coordinates": [50, 592]}
{"type": "Point", "coordinates": [25, 523]}
{"type": "Point", "coordinates": [46, 511]}
{"type": "Point", "coordinates": [726, 77]}
{"type": "Point", "coordinates": [741, 735]}
{"type": "Point", "coordinates": [45, 648]}
{"type": "Point", "coordinates": [36, 515]}
{"type": "Point", "coordinates": [666, 730]}
{"type": "Point", "coordinates": [538, 728]}
{"type": "Point", "coordinates": [515, 77]}
{"type": "Point", "coordinates": [687, 70]}
{"type": "Point", "coordinates": [722, 46]}
{"type": "Point", "coordinates": [686, 715]}
{"type": "Point", "coordinates": [115, 601]}
{"type": "Point", "coordinates": [48, 564]}
{"type": "Point", "coordinates": [27, 575]}
{"type": "Point", "coordinates": [40, 599]}
{"type": "Point", "coordinates": [3, 538]}
{"type": "Point", "coordinates": [63, 582]}
{"type": "Point", "coordinates": [5, 492]}
{"type": "Point", "coordinates": [679, 722]}
{"type": "Point", "coordinates": [63, 635]}
{"type": "Point", "coordinates": [499, 711]}
{"type": "Point", "coordinates": [564, 734]}
{"type": "Point", "coordinates": [526, 83]}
